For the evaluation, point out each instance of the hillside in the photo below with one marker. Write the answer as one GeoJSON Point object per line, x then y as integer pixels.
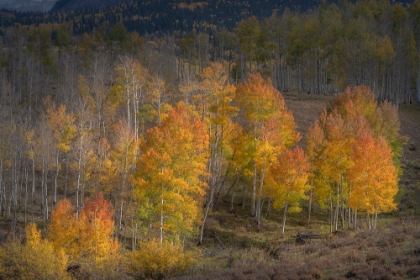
{"type": "Point", "coordinates": [75, 5]}
{"type": "Point", "coordinates": [28, 5]}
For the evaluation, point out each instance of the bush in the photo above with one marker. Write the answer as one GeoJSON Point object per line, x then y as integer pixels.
{"type": "Point", "coordinates": [36, 259]}
{"type": "Point", "coordinates": [155, 260]}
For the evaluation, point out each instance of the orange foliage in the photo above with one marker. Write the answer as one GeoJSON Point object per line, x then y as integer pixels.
{"type": "Point", "coordinates": [89, 235]}
{"type": "Point", "coordinates": [289, 179]}
{"type": "Point", "coordinates": [374, 179]}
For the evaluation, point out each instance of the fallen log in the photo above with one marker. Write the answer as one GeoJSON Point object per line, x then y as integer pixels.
{"type": "Point", "coordinates": [305, 237]}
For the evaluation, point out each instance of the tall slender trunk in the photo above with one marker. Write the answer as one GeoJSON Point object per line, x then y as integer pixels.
{"type": "Point", "coordinates": [1, 189]}
{"type": "Point", "coordinates": [254, 189]}
{"type": "Point", "coordinates": [418, 84]}
{"type": "Point", "coordinates": [134, 236]}
{"type": "Point", "coordinates": [67, 174]}
{"type": "Point", "coordinates": [56, 177]}
{"type": "Point", "coordinates": [161, 221]}
{"type": "Point", "coordinates": [330, 216]}
{"type": "Point", "coordinates": [232, 201]}
{"type": "Point", "coordinates": [79, 175]}
{"type": "Point", "coordinates": [355, 219]}
{"type": "Point", "coordinates": [284, 219]}
{"type": "Point", "coordinates": [33, 189]}
{"type": "Point", "coordinates": [368, 221]}
{"type": "Point", "coordinates": [26, 194]}
{"type": "Point", "coordinates": [337, 208]}
{"type": "Point", "coordinates": [310, 206]}
{"type": "Point", "coordinates": [260, 193]}
{"type": "Point", "coordinates": [205, 215]}
{"type": "Point", "coordinates": [349, 217]}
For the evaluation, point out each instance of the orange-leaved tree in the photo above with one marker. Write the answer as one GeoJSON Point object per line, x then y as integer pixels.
{"type": "Point", "coordinates": [288, 183]}
{"type": "Point", "coordinates": [87, 236]}
{"type": "Point", "coordinates": [374, 179]}
{"type": "Point", "coordinates": [351, 116]}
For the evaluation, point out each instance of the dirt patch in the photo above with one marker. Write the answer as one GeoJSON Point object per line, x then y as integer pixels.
{"type": "Point", "coordinates": [410, 126]}
{"type": "Point", "coordinates": [306, 109]}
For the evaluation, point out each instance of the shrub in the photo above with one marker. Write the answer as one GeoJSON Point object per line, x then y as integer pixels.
{"type": "Point", "coordinates": [36, 259]}
{"type": "Point", "coordinates": [155, 260]}
{"type": "Point", "coordinates": [375, 258]}
{"type": "Point", "coordinates": [413, 272]}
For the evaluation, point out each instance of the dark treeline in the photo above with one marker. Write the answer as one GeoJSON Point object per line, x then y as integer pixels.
{"type": "Point", "coordinates": [157, 16]}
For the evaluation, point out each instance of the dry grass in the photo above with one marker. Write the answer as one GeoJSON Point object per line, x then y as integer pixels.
{"type": "Point", "coordinates": [391, 252]}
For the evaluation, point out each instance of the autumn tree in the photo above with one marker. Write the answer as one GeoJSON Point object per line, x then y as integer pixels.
{"type": "Point", "coordinates": [169, 181]}
{"type": "Point", "coordinates": [374, 177]}
{"type": "Point", "coordinates": [288, 183]}
{"type": "Point", "coordinates": [351, 115]}
{"type": "Point", "coordinates": [119, 167]}
{"type": "Point", "coordinates": [130, 89]}
{"type": "Point", "coordinates": [87, 236]}
{"type": "Point", "coordinates": [64, 130]}
{"type": "Point", "coordinates": [215, 104]}
{"type": "Point", "coordinates": [269, 124]}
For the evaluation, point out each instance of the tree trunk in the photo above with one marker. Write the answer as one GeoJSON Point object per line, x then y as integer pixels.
{"type": "Point", "coordinates": [134, 237]}
{"type": "Point", "coordinates": [284, 220]}
{"type": "Point", "coordinates": [310, 206]}
{"type": "Point", "coordinates": [260, 193]}
{"type": "Point", "coordinates": [67, 174]}
{"type": "Point", "coordinates": [32, 191]}
{"type": "Point", "coordinates": [232, 201]}
{"type": "Point", "coordinates": [205, 216]}
{"type": "Point", "coordinates": [355, 219]}
{"type": "Point", "coordinates": [368, 222]}
{"type": "Point", "coordinates": [56, 177]}
{"type": "Point", "coordinates": [269, 203]}
{"type": "Point", "coordinates": [26, 194]}
{"type": "Point", "coordinates": [418, 84]}
{"type": "Point", "coordinates": [254, 189]}
{"type": "Point", "coordinates": [330, 216]}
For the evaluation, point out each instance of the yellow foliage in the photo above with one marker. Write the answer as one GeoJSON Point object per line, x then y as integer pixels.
{"type": "Point", "coordinates": [36, 259]}
{"type": "Point", "coordinates": [155, 260]}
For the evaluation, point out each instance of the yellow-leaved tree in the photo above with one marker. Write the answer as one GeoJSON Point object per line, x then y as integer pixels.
{"type": "Point", "coordinates": [35, 259]}
{"type": "Point", "coordinates": [271, 128]}
{"type": "Point", "coordinates": [170, 182]}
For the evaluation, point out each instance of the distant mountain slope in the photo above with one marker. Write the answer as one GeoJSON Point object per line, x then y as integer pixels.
{"type": "Point", "coordinates": [162, 16]}
{"type": "Point", "coordinates": [27, 5]}
{"type": "Point", "coordinates": [77, 5]}
{"type": "Point", "coordinates": [159, 16]}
